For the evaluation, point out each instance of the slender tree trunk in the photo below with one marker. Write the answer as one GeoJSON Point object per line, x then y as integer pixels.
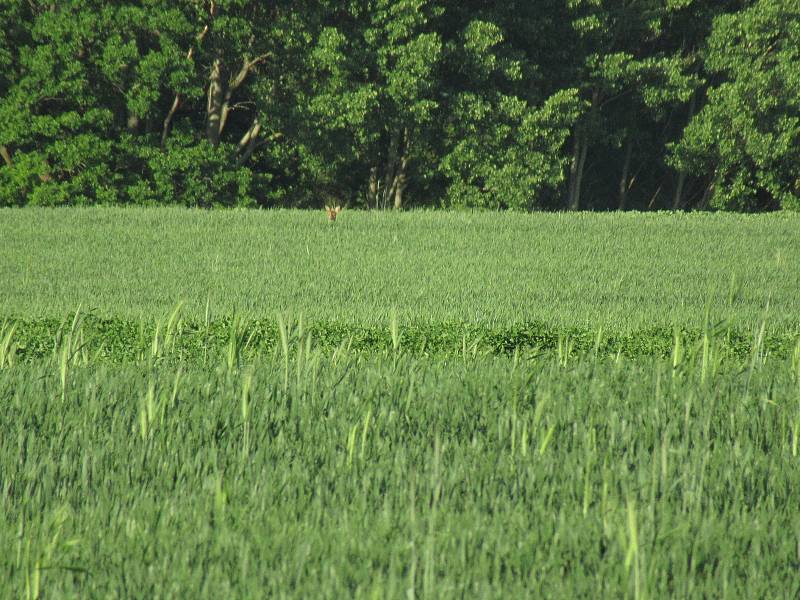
{"type": "Point", "coordinates": [573, 166]}
{"type": "Point", "coordinates": [401, 176]}
{"type": "Point", "coordinates": [6, 156]}
{"type": "Point", "coordinates": [401, 183]}
{"type": "Point", "coordinates": [623, 181]}
{"type": "Point", "coordinates": [391, 166]}
{"type": "Point", "coordinates": [706, 199]}
{"type": "Point", "coordinates": [580, 151]}
{"type": "Point", "coordinates": [176, 103]}
{"type": "Point", "coordinates": [654, 198]}
{"type": "Point", "coordinates": [677, 201]}
{"type": "Point", "coordinates": [579, 162]}
{"type": "Point", "coordinates": [372, 189]}
{"type": "Point", "coordinates": [581, 167]}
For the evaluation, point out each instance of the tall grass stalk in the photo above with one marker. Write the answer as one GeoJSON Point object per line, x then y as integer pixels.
{"type": "Point", "coordinates": [245, 408]}
{"type": "Point", "coordinates": [7, 348]}
{"type": "Point", "coordinates": [632, 555]}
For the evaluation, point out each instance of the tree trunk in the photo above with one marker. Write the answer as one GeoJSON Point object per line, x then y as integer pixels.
{"type": "Point", "coordinates": [677, 201]}
{"type": "Point", "coordinates": [168, 119]}
{"type": "Point", "coordinates": [581, 167]}
{"type": "Point", "coordinates": [623, 181]}
{"type": "Point", "coordinates": [391, 166]}
{"type": "Point", "coordinates": [706, 199]}
{"type": "Point", "coordinates": [372, 189]}
{"type": "Point", "coordinates": [233, 85]}
{"type": "Point", "coordinates": [576, 171]}
{"type": "Point", "coordinates": [573, 166]}
{"type": "Point", "coordinates": [580, 151]}
{"type": "Point", "coordinates": [401, 182]}
{"type": "Point", "coordinates": [401, 176]}
{"type": "Point", "coordinates": [215, 100]}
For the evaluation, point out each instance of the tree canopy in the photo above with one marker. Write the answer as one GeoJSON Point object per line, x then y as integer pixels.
{"type": "Point", "coordinates": [558, 104]}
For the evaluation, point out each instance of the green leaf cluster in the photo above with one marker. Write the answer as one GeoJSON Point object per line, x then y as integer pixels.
{"type": "Point", "coordinates": [748, 134]}
{"type": "Point", "coordinates": [584, 104]}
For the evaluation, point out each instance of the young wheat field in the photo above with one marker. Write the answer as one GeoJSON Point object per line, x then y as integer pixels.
{"type": "Point", "coordinates": [242, 404]}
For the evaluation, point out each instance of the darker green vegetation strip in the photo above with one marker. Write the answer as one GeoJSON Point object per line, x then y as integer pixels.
{"type": "Point", "coordinates": [125, 340]}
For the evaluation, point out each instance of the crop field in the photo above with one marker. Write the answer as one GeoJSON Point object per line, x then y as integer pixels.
{"type": "Point", "coordinates": [621, 271]}
{"type": "Point", "coordinates": [239, 404]}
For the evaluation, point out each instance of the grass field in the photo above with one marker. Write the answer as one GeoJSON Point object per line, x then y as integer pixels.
{"type": "Point", "coordinates": [473, 405]}
{"type": "Point", "coordinates": [620, 271]}
{"type": "Point", "coordinates": [313, 475]}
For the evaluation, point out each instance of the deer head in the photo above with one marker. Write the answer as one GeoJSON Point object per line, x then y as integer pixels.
{"type": "Point", "coordinates": [332, 212]}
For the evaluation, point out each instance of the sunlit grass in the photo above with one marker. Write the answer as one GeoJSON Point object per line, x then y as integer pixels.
{"type": "Point", "coordinates": [620, 271]}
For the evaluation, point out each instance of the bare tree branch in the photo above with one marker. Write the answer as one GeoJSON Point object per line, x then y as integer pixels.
{"type": "Point", "coordinates": [168, 120]}
{"type": "Point", "coordinates": [215, 103]}
{"type": "Point", "coordinates": [6, 156]}
{"type": "Point", "coordinates": [236, 82]}
{"type": "Point", "coordinates": [251, 133]}
{"type": "Point", "coordinates": [176, 103]}
{"type": "Point", "coordinates": [250, 142]}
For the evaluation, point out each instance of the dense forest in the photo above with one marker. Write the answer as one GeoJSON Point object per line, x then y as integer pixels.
{"type": "Point", "coordinates": [519, 104]}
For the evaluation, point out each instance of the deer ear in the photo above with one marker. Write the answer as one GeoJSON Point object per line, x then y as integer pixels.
{"type": "Point", "coordinates": [338, 209]}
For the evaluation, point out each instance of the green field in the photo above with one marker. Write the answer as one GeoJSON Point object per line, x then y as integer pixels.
{"type": "Point", "coordinates": [620, 271]}
{"type": "Point", "coordinates": [431, 405]}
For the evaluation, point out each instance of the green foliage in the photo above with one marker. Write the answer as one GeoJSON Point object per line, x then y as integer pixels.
{"type": "Point", "coordinates": [88, 118]}
{"type": "Point", "coordinates": [511, 153]}
{"type": "Point", "coordinates": [400, 103]}
{"type": "Point", "coordinates": [748, 134]}
{"type": "Point", "coordinates": [372, 94]}
{"type": "Point", "coordinates": [55, 115]}
{"type": "Point", "coordinates": [193, 174]}
{"type": "Point", "coordinates": [632, 77]}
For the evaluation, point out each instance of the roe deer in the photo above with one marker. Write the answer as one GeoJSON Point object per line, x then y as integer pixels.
{"type": "Point", "coordinates": [332, 212]}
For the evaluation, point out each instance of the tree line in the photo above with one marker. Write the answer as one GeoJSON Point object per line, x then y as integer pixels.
{"type": "Point", "coordinates": [546, 105]}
